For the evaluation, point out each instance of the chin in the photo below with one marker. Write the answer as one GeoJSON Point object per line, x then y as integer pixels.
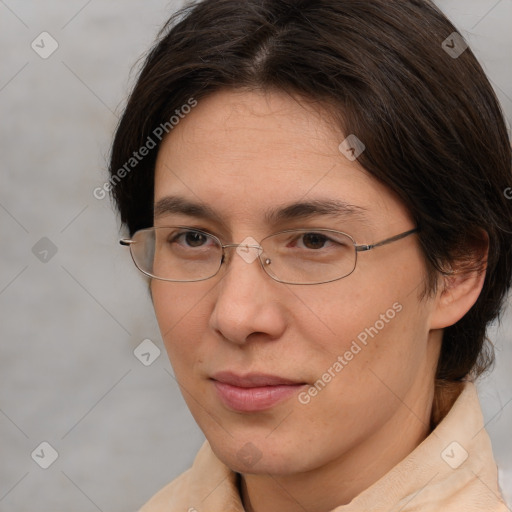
{"type": "Point", "coordinates": [249, 455]}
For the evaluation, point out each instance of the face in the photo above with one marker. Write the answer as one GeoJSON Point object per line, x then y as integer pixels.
{"type": "Point", "coordinates": [268, 369]}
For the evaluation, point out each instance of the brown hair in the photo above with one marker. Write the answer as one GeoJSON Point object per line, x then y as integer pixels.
{"type": "Point", "coordinates": [432, 126]}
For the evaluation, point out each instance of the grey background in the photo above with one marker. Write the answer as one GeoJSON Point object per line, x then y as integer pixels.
{"type": "Point", "coordinates": [69, 325]}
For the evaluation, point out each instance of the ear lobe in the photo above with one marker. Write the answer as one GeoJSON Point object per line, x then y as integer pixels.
{"type": "Point", "coordinates": [460, 287]}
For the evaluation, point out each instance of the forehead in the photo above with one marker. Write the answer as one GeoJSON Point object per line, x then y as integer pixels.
{"type": "Point", "coordinates": [245, 153]}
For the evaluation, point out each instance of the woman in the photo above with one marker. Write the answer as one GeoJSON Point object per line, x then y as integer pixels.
{"type": "Point", "coordinates": [316, 192]}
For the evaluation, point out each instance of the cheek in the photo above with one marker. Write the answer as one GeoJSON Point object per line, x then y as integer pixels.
{"type": "Point", "coordinates": [362, 375]}
{"type": "Point", "coordinates": [182, 319]}
{"type": "Point", "coordinates": [356, 335]}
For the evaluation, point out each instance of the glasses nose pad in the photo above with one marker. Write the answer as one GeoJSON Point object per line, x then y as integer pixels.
{"type": "Point", "coordinates": [266, 263]}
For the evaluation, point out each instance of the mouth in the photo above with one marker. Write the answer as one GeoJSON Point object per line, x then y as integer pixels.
{"type": "Point", "coordinates": [253, 392]}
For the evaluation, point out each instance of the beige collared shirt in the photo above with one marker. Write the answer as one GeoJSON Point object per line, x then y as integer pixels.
{"type": "Point", "coordinates": [452, 470]}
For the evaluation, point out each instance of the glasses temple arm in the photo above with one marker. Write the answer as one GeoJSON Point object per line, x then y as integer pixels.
{"type": "Point", "coordinates": [367, 247]}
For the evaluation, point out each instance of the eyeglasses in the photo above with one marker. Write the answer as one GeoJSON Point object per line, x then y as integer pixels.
{"type": "Point", "coordinates": [293, 256]}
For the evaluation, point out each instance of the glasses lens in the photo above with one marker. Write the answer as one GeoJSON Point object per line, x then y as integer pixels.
{"type": "Point", "coordinates": [308, 256]}
{"type": "Point", "coordinates": [176, 254]}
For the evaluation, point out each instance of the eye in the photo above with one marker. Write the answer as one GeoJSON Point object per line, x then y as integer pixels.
{"type": "Point", "coordinates": [314, 240]}
{"type": "Point", "coordinates": [190, 238]}
{"type": "Point", "coordinates": [195, 239]}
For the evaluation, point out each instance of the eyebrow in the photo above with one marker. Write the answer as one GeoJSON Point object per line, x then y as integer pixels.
{"type": "Point", "coordinates": [180, 205]}
{"type": "Point", "coordinates": [316, 207]}
{"type": "Point", "coordinates": [300, 210]}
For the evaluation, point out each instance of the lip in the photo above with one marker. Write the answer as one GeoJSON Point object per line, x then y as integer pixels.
{"type": "Point", "coordinates": [253, 392]}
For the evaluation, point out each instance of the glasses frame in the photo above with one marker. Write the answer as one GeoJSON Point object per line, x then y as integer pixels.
{"type": "Point", "coordinates": [128, 242]}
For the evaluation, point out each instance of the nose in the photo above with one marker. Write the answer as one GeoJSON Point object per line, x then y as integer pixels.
{"type": "Point", "coordinates": [247, 299]}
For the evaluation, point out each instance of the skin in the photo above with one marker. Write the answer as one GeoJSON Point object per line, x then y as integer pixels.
{"type": "Point", "coordinates": [241, 153]}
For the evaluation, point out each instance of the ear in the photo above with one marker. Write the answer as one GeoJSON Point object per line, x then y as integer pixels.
{"type": "Point", "coordinates": [460, 287]}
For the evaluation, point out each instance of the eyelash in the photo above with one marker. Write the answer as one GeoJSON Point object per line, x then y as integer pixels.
{"type": "Point", "coordinates": [199, 227]}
